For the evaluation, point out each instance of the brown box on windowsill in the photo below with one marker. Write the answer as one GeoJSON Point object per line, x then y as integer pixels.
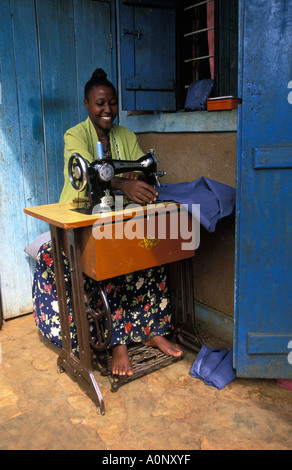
{"type": "Point", "coordinates": [222, 103]}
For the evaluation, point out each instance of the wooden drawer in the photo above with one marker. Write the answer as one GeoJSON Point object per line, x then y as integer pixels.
{"type": "Point", "coordinates": [114, 247]}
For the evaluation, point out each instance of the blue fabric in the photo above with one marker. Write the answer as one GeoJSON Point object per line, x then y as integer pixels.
{"type": "Point", "coordinates": [206, 362]}
{"type": "Point", "coordinates": [223, 374]}
{"type": "Point", "coordinates": [214, 366]}
{"type": "Point", "coordinates": [216, 199]}
{"type": "Point", "coordinates": [198, 93]}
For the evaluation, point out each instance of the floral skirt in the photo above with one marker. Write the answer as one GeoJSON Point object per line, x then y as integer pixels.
{"type": "Point", "coordinates": [139, 302]}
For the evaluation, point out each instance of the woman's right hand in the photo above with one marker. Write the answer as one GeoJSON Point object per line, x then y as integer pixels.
{"type": "Point", "coordinates": [136, 190]}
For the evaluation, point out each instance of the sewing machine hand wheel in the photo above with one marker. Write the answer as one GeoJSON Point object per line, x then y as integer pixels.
{"type": "Point", "coordinates": [77, 171]}
{"type": "Point", "coordinates": [99, 316]}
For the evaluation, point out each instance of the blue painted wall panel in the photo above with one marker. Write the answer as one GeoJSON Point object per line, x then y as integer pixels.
{"type": "Point", "coordinates": [59, 83]}
{"type": "Point", "coordinates": [95, 44]}
{"type": "Point", "coordinates": [75, 38]}
{"type": "Point", "coordinates": [21, 151]}
{"type": "Point", "coordinates": [48, 49]}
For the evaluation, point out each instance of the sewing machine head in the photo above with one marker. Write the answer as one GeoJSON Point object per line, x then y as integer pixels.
{"type": "Point", "coordinates": [96, 177]}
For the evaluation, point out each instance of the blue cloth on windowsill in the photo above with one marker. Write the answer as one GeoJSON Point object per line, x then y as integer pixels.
{"type": "Point", "coordinates": [216, 199]}
{"type": "Point", "coordinates": [214, 367]}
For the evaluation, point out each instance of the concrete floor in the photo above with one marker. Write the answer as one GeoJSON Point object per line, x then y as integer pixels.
{"type": "Point", "coordinates": [166, 410]}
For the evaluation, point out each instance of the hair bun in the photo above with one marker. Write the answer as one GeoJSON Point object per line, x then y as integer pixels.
{"type": "Point", "coordinates": [98, 78]}
{"type": "Point", "coordinates": [99, 74]}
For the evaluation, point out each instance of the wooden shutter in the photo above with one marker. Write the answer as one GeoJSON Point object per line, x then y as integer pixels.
{"type": "Point", "coordinates": [147, 37]}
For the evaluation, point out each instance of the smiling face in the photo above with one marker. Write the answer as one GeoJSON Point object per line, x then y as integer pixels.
{"type": "Point", "coordinates": [102, 107]}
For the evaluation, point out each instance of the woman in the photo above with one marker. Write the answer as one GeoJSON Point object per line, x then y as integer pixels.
{"type": "Point", "coordinates": [139, 301]}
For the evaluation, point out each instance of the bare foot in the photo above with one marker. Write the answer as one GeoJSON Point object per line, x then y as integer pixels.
{"type": "Point", "coordinates": [121, 364]}
{"type": "Point", "coordinates": [166, 346]}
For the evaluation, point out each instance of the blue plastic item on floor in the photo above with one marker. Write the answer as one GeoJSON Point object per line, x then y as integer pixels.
{"type": "Point", "coordinates": [214, 366]}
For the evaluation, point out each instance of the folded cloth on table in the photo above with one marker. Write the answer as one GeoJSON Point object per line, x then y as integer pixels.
{"type": "Point", "coordinates": [214, 366]}
{"type": "Point", "coordinates": [216, 199]}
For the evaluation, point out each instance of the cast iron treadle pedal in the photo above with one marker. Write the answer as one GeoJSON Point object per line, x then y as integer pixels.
{"type": "Point", "coordinates": [144, 359]}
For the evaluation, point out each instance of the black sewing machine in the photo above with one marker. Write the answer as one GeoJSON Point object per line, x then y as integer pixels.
{"type": "Point", "coordinates": [96, 177]}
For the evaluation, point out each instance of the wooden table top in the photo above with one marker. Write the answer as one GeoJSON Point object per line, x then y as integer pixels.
{"type": "Point", "coordinates": [64, 215]}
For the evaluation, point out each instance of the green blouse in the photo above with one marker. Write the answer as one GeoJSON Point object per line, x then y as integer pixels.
{"type": "Point", "coordinates": [83, 138]}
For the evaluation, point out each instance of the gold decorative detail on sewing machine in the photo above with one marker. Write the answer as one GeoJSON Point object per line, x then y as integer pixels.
{"type": "Point", "coordinates": [148, 243]}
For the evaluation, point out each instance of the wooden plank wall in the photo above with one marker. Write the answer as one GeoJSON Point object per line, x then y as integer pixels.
{"type": "Point", "coordinates": [20, 120]}
{"type": "Point", "coordinates": [48, 50]}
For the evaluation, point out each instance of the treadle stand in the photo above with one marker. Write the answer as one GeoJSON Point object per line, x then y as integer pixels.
{"type": "Point", "coordinates": [144, 359]}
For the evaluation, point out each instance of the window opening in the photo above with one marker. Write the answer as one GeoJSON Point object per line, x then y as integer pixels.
{"type": "Point", "coordinates": [207, 45]}
{"type": "Point", "coordinates": [200, 40]}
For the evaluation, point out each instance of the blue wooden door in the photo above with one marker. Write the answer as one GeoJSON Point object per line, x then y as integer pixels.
{"type": "Point", "coordinates": [263, 293]}
{"type": "Point", "coordinates": [48, 50]}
